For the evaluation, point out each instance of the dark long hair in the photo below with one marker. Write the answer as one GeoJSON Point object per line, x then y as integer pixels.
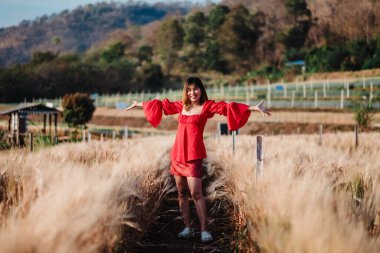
{"type": "Point", "coordinates": [197, 83]}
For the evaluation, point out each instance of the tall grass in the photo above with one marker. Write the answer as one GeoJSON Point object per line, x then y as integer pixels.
{"type": "Point", "coordinates": [80, 197]}
{"type": "Point", "coordinates": [310, 199]}
{"type": "Point", "coordinates": [101, 197]}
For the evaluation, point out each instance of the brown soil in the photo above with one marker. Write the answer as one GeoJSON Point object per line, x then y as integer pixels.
{"type": "Point", "coordinates": [281, 122]}
{"type": "Point", "coordinates": [161, 236]}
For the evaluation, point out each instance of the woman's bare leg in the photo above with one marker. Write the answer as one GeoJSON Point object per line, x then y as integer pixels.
{"type": "Point", "coordinates": [183, 198]}
{"type": "Point", "coordinates": [195, 186]}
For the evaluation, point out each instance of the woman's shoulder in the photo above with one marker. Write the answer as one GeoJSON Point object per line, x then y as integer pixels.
{"type": "Point", "coordinates": [209, 102]}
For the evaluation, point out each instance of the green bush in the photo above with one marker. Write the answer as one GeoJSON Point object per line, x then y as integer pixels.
{"type": "Point", "coordinates": [364, 113]}
{"type": "Point", "coordinates": [3, 142]}
{"type": "Point", "coordinates": [78, 109]}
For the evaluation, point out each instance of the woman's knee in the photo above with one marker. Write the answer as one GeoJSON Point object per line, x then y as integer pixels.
{"type": "Point", "coordinates": [197, 195]}
{"type": "Point", "coordinates": [182, 192]}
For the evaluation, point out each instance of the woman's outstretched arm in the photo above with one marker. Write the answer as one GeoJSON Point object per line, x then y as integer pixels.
{"type": "Point", "coordinates": [153, 109]}
{"type": "Point", "coordinates": [133, 105]}
{"type": "Point", "coordinates": [260, 108]}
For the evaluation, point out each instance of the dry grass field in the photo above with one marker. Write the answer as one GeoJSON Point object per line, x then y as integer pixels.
{"type": "Point", "coordinates": [107, 196]}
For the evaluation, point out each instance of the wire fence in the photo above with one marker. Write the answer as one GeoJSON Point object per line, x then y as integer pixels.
{"type": "Point", "coordinates": [337, 94]}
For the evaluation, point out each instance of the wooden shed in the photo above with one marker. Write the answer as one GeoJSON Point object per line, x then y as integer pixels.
{"type": "Point", "coordinates": [18, 120]}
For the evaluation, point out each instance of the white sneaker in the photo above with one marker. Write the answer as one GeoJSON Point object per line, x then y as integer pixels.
{"type": "Point", "coordinates": [187, 233]}
{"type": "Point", "coordinates": [206, 237]}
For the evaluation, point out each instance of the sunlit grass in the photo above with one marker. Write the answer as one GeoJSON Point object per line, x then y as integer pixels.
{"type": "Point", "coordinates": [98, 197]}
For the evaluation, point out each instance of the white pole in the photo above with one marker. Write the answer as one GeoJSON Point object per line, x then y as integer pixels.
{"type": "Point", "coordinates": [142, 96]}
{"type": "Point", "coordinates": [292, 102]}
{"type": "Point", "coordinates": [259, 157]}
{"type": "Point", "coordinates": [247, 94]}
{"type": "Point", "coordinates": [113, 135]}
{"type": "Point", "coordinates": [341, 99]}
{"type": "Point", "coordinates": [324, 90]}
{"type": "Point", "coordinates": [316, 99]}
{"type": "Point", "coordinates": [371, 93]}
{"type": "Point", "coordinates": [83, 135]}
{"type": "Point", "coordinates": [129, 97]}
{"type": "Point", "coordinates": [284, 87]}
{"type": "Point", "coordinates": [88, 137]}
{"type": "Point", "coordinates": [348, 90]}
{"type": "Point", "coordinates": [171, 94]}
{"type": "Point", "coordinates": [304, 90]}
{"type": "Point", "coordinates": [268, 94]}
{"type": "Point", "coordinates": [363, 78]}
{"type": "Point", "coordinates": [285, 91]}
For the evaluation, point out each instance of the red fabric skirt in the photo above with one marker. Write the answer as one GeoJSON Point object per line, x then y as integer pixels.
{"type": "Point", "coordinates": [188, 169]}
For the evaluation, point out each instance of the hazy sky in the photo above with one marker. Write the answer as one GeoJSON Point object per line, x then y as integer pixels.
{"type": "Point", "coordinates": [14, 11]}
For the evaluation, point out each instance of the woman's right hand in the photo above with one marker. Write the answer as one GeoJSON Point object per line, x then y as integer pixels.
{"type": "Point", "coordinates": [133, 105]}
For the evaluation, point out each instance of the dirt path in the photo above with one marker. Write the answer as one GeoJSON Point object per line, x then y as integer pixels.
{"type": "Point", "coordinates": [295, 120]}
{"type": "Point", "coordinates": [162, 235]}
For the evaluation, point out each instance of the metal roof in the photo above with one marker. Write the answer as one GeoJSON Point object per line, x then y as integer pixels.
{"type": "Point", "coordinates": [31, 108]}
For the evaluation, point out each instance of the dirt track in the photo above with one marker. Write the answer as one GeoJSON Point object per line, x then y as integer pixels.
{"type": "Point", "coordinates": [281, 122]}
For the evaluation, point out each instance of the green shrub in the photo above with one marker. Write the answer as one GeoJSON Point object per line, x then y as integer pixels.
{"type": "Point", "coordinates": [364, 113]}
{"type": "Point", "coordinates": [3, 142]}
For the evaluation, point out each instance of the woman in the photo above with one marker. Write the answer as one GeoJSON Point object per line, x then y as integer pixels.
{"type": "Point", "coordinates": [188, 149]}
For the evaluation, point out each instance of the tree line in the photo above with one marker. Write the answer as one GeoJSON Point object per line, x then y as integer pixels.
{"type": "Point", "coordinates": [226, 38]}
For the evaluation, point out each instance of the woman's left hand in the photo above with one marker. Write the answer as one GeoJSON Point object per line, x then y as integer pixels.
{"type": "Point", "coordinates": [260, 107]}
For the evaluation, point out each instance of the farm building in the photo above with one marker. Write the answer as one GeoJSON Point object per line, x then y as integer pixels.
{"type": "Point", "coordinates": [18, 120]}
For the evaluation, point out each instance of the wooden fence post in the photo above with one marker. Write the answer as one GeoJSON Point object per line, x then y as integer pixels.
{"type": "Point", "coordinates": [233, 142]}
{"type": "Point", "coordinates": [113, 135]}
{"type": "Point", "coordinates": [83, 135]}
{"type": "Point", "coordinates": [126, 132]}
{"type": "Point", "coordinates": [356, 136]}
{"type": "Point", "coordinates": [341, 99]}
{"type": "Point", "coordinates": [259, 157]}
{"type": "Point", "coordinates": [88, 136]}
{"type": "Point", "coordinates": [31, 141]}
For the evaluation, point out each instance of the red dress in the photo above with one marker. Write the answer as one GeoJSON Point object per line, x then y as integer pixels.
{"type": "Point", "coordinates": [189, 149]}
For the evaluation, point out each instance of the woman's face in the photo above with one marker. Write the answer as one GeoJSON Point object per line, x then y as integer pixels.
{"type": "Point", "coordinates": [193, 93]}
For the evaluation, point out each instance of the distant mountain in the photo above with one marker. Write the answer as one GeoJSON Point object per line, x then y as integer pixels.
{"type": "Point", "coordinates": [77, 30]}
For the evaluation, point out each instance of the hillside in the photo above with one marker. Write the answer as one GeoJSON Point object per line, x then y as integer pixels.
{"type": "Point", "coordinates": [77, 30]}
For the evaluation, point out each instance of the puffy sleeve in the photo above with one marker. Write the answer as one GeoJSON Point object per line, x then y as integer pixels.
{"type": "Point", "coordinates": [153, 109]}
{"type": "Point", "coordinates": [237, 114]}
